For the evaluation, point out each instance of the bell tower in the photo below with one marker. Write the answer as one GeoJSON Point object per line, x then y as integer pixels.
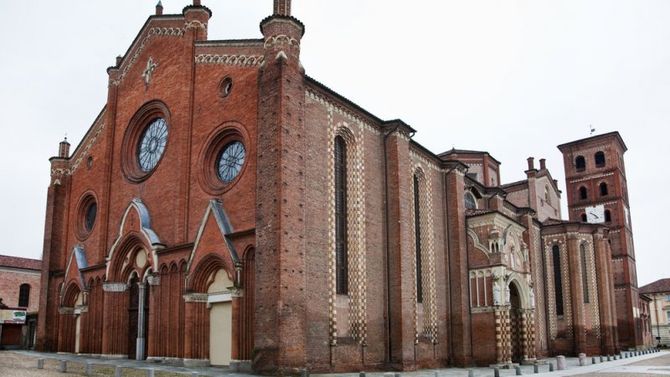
{"type": "Point", "coordinates": [595, 180]}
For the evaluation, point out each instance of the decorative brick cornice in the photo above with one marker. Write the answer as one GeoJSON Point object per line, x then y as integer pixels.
{"type": "Point", "coordinates": [281, 40]}
{"type": "Point", "coordinates": [332, 107]}
{"type": "Point", "coordinates": [233, 60]}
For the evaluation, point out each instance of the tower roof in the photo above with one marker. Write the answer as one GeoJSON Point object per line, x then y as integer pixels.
{"type": "Point", "coordinates": [614, 134]}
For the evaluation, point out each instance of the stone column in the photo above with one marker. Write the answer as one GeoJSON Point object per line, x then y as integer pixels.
{"type": "Point", "coordinates": [577, 294]}
{"type": "Point", "coordinates": [141, 330]}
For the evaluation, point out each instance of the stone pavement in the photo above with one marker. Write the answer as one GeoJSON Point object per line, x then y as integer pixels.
{"type": "Point", "coordinates": [24, 364]}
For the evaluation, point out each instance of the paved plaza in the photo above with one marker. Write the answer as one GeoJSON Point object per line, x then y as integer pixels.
{"type": "Point", "coordinates": [25, 364]}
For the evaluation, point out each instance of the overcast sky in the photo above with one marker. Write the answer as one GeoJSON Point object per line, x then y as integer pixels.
{"type": "Point", "coordinates": [515, 78]}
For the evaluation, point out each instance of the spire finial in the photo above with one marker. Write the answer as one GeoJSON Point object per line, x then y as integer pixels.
{"type": "Point", "coordinates": [282, 8]}
{"type": "Point", "coordinates": [159, 8]}
{"type": "Point", "coordinates": [64, 148]}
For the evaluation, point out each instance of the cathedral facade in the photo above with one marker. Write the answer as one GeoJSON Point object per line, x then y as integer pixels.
{"type": "Point", "coordinates": [227, 209]}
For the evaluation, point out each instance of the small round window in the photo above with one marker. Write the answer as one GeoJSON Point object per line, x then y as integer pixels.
{"type": "Point", "coordinates": [230, 161]}
{"type": "Point", "coordinates": [87, 212]}
{"type": "Point", "coordinates": [226, 87]}
{"type": "Point", "coordinates": [152, 144]}
{"type": "Point", "coordinates": [89, 217]}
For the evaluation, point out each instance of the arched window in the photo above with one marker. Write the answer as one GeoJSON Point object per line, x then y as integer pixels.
{"type": "Point", "coordinates": [341, 258]}
{"type": "Point", "coordinates": [585, 279]}
{"type": "Point", "coordinates": [584, 217]}
{"type": "Point", "coordinates": [600, 159]}
{"type": "Point", "coordinates": [417, 240]}
{"type": "Point", "coordinates": [558, 281]}
{"type": "Point", "coordinates": [547, 195]}
{"type": "Point", "coordinates": [603, 189]}
{"type": "Point", "coordinates": [24, 295]}
{"type": "Point", "coordinates": [583, 193]}
{"type": "Point", "coordinates": [470, 201]}
{"type": "Point", "coordinates": [608, 216]}
{"type": "Point", "coordinates": [580, 163]}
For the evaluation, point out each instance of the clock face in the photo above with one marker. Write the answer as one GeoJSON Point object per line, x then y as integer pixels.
{"type": "Point", "coordinates": [595, 214]}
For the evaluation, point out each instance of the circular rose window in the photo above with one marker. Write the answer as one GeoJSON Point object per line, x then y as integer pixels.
{"type": "Point", "coordinates": [145, 141]}
{"type": "Point", "coordinates": [230, 161]}
{"type": "Point", "coordinates": [152, 144]}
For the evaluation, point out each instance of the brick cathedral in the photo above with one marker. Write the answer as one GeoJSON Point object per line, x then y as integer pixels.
{"type": "Point", "coordinates": [225, 208]}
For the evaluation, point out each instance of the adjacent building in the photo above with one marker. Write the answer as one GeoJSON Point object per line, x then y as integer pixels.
{"type": "Point", "coordinates": [19, 301]}
{"type": "Point", "coordinates": [225, 208]}
{"type": "Point", "coordinates": [658, 293]}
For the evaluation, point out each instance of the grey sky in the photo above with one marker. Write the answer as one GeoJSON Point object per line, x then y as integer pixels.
{"type": "Point", "coordinates": [515, 78]}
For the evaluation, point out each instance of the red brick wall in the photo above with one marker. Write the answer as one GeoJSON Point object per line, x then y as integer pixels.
{"type": "Point", "coordinates": [10, 281]}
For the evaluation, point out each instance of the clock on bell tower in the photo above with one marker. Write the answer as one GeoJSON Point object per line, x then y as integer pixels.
{"type": "Point", "coordinates": [595, 179]}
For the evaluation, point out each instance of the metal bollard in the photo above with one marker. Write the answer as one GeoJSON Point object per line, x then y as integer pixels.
{"type": "Point", "coordinates": [62, 366]}
{"type": "Point", "coordinates": [551, 367]}
{"type": "Point", "coordinates": [88, 369]}
{"type": "Point", "coordinates": [40, 363]}
{"type": "Point", "coordinates": [304, 373]}
{"type": "Point", "coordinates": [117, 371]}
{"type": "Point", "coordinates": [361, 374]}
{"type": "Point", "coordinates": [608, 358]}
{"type": "Point", "coordinates": [436, 374]}
{"type": "Point", "coordinates": [602, 359]}
{"type": "Point", "coordinates": [496, 372]}
{"type": "Point", "coordinates": [150, 372]}
{"type": "Point", "coordinates": [593, 360]}
{"type": "Point", "coordinates": [518, 370]}
{"type": "Point", "coordinates": [536, 368]}
{"type": "Point", "coordinates": [471, 373]}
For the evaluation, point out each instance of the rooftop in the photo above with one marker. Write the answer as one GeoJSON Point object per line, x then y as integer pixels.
{"type": "Point", "coordinates": [659, 286]}
{"type": "Point", "coordinates": [17, 262]}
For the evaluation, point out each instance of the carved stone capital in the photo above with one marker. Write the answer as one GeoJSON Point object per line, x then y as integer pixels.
{"type": "Point", "coordinates": [154, 280]}
{"type": "Point", "coordinates": [114, 287]}
{"type": "Point", "coordinates": [65, 311]}
{"type": "Point", "coordinates": [196, 297]}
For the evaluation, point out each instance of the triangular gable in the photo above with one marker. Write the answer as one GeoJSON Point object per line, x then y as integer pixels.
{"type": "Point", "coordinates": [214, 228]}
{"type": "Point", "coordinates": [76, 262]}
{"type": "Point", "coordinates": [136, 219]}
{"type": "Point", "coordinates": [168, 25]}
